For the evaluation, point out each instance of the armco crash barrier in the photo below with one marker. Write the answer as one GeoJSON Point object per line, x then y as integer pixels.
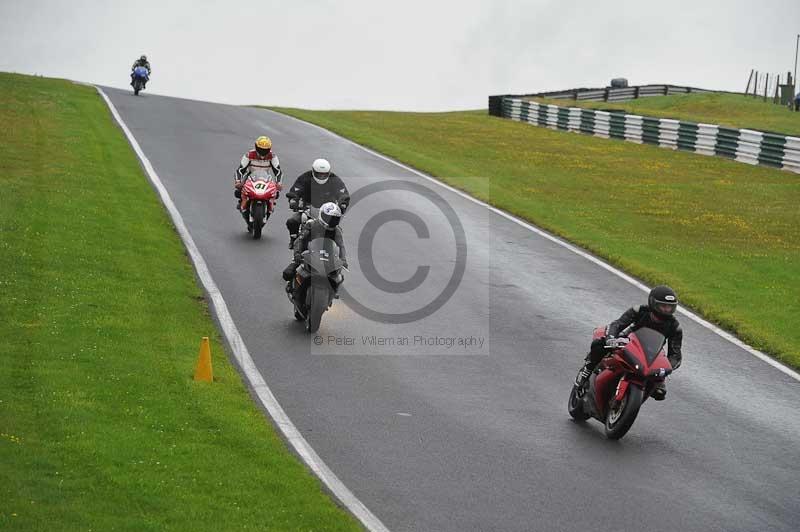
{"type": "Point", "coordinates": [743, 145]}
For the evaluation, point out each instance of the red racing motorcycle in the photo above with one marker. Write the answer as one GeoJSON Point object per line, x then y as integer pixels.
{"type": "Point", "coordinates": [258, 201]}
{"type": "Point", "coordinates": [622, 381]}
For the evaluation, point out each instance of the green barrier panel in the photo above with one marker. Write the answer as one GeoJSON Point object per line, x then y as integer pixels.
{"type": "Point", "coordinates": [727, 142]}
{"type": "Point", "coordinates": [772, 150]}
{"type": "Point", "coordinates": [542, 115]}
{"type": "Point", "coordinates": [562, 118]}
{"type": "Point", "coordinates": [587, 121]}
{"type": "Point", "coordinates": [650, 130]}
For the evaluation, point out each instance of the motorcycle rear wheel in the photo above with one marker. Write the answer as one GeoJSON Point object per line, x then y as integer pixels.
{"type": "Point", "coordinates": [620, 417]}
{"type": "Point", "coordinates": [575, 406]}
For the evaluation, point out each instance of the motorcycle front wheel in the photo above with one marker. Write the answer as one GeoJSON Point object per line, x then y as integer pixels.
{"type": "Point", "coordinates": [620, 416]}
{"type": "Point", "coordinates": [258, 220]}
{"type": "Point", "coordinates": [317, 305]}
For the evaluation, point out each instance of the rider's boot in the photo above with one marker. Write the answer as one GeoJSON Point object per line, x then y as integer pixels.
{"type": "Point", "coordinates": [584, 373]}
{"type": "Point", "coordinates": [659, 392]}
{"type": "Point", "coordinates": [246, 216]}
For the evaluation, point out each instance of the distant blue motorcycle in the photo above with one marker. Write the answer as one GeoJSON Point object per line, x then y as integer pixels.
{"type": "Point", "coordinates": [140, 77]}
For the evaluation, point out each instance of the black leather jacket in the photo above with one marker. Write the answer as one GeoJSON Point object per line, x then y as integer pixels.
{"type": "Point", "coordinates": [313, 229]}
{"type": "Point", "coordinates": [312, 193]}
{"type": "Point", "coordinates": [145, 64]}
{"type": "Point", "coordinates": [638, 317]}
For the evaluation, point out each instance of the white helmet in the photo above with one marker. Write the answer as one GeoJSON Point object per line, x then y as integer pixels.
{"type": "Point", "coordinates": [330, 215]}
{"type": "Point", "coordinates": [321, 170]}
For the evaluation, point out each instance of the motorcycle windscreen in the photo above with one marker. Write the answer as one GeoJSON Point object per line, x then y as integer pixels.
{"type": "Point", "coordinates": [322, 256]}
{"type": "Point", "coordinates": [651, 342]}
{"type": "Point", "coordinates": [262, 173]}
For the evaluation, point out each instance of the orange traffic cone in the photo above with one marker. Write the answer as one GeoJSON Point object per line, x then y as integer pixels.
{"type": "Point", "coordinates": [203, 370]}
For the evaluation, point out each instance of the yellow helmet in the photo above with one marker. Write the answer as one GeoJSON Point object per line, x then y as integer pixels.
{"type": "Point", "coordinates": [263, 145]}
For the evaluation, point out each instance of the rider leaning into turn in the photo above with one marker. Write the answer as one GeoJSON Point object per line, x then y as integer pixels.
{"type": "Point", "coordinates": [326, 225]}
{"type": "Point", "coordinates": [315, 188]}
{"type": "Point", "coordinates": [258, 162]}
{"type": "Point", "coordinates": [659, 315]}
{"type": "Point", "coordinates": [142, 61]}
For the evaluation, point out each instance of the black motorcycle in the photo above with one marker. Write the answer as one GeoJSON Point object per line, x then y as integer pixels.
{"type": "Point", "coordinates": [316, 281]}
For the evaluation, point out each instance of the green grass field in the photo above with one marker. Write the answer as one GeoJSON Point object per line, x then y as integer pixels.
{"type": "Point", "coordinates": [101, 425]}
{"type": "Point", "coordinates": [730, 110]}
{"type": "Point", "coordinates": [724, 234]}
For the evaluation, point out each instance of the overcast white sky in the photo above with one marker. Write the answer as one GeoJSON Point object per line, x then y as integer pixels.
{"type": "Point", "coordinates": [409, 55]}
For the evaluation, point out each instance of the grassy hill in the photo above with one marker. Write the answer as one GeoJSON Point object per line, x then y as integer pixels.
{"type": "Point", "coordinates": [101, 425]}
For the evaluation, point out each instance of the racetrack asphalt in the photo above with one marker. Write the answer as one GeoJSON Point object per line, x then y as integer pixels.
{"type": "Point", "coordinates": [446, 432]}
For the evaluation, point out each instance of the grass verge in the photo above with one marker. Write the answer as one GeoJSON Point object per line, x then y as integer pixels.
{"type": "Point", "coordinates": [723, 234]}
{"type": "Point", "coordinates": [101, 425]}
{"type": "Point", "coordinates": [731, 110]}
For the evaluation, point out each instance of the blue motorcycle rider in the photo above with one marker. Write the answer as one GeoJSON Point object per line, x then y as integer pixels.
{"type": "Point", "coordinates": [142, 62]}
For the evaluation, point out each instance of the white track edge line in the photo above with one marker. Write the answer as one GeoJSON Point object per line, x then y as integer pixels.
{"type": "Point", "coordinates": [276, 412]}
{"type": "Point", "coordinates": [541, 232]}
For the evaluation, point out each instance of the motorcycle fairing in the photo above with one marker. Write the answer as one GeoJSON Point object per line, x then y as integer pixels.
{"type": "Point", "coordinates": [647, 341]}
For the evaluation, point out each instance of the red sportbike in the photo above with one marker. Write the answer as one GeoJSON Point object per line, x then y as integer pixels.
{"type": "Point", "coordinates": [622, 381]}
{"type": "Point", "coordinates": [258, 202]}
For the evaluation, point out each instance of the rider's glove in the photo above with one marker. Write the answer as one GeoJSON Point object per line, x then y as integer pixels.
{"type": "Point", "coordinates": [617, 342]}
